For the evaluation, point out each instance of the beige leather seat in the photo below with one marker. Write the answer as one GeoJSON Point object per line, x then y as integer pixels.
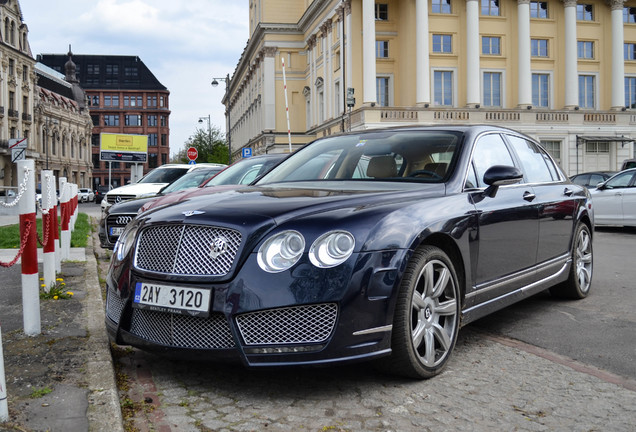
{"type": "Point", "coordinates": [382, 167]}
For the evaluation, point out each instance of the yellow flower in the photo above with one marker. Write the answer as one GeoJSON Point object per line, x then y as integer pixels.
{"type": "Point", "coordinates": [69, 293]}
{"type": "Point", "coordinates": [43, 285]}
{"type": "Point", "coordinates": [59, 280]}
{"type": "Point", "coordinates": [54, 297]}
{"type": "Point", "coordinates": [41, 278]}
{"type": "Point", "coordinates": [63, 284]}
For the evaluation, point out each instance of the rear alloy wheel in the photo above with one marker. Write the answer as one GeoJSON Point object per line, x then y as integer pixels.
{"type": "Point", "coordinates": [426, 316]}
{"type": "Point", "coordinates": [580, 279]}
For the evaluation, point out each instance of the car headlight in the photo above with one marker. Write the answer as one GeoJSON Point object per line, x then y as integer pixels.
{"type": "Point", "coordinates": [125, 242]}
{"type": "Point", "coordinates": [331, 249]}
{"type": "Point", "coordinates": [281, 251]}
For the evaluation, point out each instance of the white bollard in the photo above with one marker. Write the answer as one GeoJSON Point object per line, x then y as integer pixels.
{"type": "Point", "coordinates": [65, 236]}
{"type": "Point", "coordinates": [58, 238]}
{"type": "Point", "coordinates": [48, 229]}
{"type": "Point", "coordinates": [4, 406]}
{"type": "Point", "coordinates": [30, 279]}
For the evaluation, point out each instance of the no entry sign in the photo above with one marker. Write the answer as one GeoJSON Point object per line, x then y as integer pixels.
{"type": "Point", "coordinates": [192, 153]}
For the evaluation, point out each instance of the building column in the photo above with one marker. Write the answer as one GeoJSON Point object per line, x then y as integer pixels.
{"type": "Point", "coordinates": [618, 60]}
{"type": "Point", "coordinates": [571, 61]}
{"type": "Point", "coordinates": [423, 75]}
{"type": "Point", "coordinates": [329, 87]}
{"type": "Point", "coordinates": [525, 69]}
{"type": "Point", "coordinates": [369, 96]}
{"type": "Point", "coordinates": [269, 88]}
{"type": "Point", "coordinates": [313, 95]}
{"type": "Point", "coordinates": [473, 88]}
{"type": "Point", "coordinates": [347, 42]}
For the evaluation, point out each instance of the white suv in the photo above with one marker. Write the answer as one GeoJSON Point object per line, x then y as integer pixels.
{"type": "Point", "coordinates": [149, 185]}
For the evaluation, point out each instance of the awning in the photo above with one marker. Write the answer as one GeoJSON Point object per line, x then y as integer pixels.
{"type": "Point", "coordinates": [621, 139]}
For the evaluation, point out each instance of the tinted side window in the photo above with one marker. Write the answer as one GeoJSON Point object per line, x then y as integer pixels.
{"type": "Point", "coordinates": [620, 181]}
{"type": "Point", "coordinates": [490, 150]}
{"type": "Point", "coordinates": [581, 180]}
{"type": "Point", "coordinates": [532, 160]}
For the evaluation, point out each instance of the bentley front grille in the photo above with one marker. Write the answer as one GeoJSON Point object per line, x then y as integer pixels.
{"type": "Point", "coordinates": [182, 331]}
{"type": "Point", "coordinates": [114, 306]}
{"type": "Point", "coordinates": [290, 325]}
{"type": "Point", "coordinates": [187, 250]}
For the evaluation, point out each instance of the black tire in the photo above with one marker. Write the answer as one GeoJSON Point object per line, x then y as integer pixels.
{"type": "Point", "coordinates": [427, 313]}
{"type": "Point", "coordinates": [579, 281]}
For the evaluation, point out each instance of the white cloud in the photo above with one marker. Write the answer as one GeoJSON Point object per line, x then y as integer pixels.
{"type": "Point", "coordinates": [184, 44]}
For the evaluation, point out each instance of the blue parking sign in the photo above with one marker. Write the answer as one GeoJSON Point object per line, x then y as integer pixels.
{"type": "Point", "coordinates": [247, 152]}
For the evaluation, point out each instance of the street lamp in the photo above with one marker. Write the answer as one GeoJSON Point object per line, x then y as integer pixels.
{"type": "Point", "coordinates": [209, 130]}
{"type": "Point", "coordinates": [214, 83]}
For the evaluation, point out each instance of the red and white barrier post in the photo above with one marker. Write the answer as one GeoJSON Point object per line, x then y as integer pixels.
{"type": "Point", "coordinates": [75, 191]}
{"type": "Point", "coordinates": [4, 406]}
{"type": "Point", "coordinates": [67, 208]}
{"type": "Point", "coordinates": [58, 225]}
{"type": "Point", "coordinates": [28, 234]}
{"type": "Point", "coordinates": [48, 227]}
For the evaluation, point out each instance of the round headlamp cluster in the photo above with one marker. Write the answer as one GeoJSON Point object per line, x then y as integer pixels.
{"type": "Point", "coordinates": [125, 241]}
{"type": "Point", "coordinates": [283, 250]}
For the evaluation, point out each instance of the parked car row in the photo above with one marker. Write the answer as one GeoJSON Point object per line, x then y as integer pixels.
{"type": "Point", "coordinates": [116, 217]}
{"type": "Point", "coordinates": [371, 245]}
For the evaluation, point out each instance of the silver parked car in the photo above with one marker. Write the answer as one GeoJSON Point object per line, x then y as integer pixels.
{"type": "Point", "coordinates": [614, 200]}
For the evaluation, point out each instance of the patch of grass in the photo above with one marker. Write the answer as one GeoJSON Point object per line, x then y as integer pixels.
{"type": "Point", "coordinates": [10, 234]}
{"type": "Point", "coordinates": [38, 393]}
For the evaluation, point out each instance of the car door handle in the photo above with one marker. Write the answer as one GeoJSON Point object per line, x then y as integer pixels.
{"type": "Point", "coordinates": [529, 196]}
{"type": "Point", "coordinates": [568, 192]}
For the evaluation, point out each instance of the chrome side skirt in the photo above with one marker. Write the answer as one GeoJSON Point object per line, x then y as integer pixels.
{"type": "Point", "coordinates": [480, 310]}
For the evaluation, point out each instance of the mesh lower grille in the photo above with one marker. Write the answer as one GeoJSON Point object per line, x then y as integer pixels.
{"type": "Point", "coordinates": [187, 250]}
{"type": "Point", "coordinates": [299, 324]}
{"type": "Point", "coordinates": [182, 331]}
{"type": "Point", "coordinates": [114, 306]}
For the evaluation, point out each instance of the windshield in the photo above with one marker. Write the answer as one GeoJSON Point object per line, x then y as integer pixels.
{"type": "Point", "coordinates": [164, 175]}
{"type": "Point", "coordinates": [244, 171]}
{"type": "Point", "coordinates": [421, 156]}
{"type": "Point", "coordinates": [192, 179]}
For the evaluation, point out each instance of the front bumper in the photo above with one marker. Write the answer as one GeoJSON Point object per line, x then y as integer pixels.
{"type": "Point", "coordinates": [264, 321]}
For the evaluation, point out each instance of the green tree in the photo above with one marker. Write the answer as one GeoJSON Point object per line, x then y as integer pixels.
{"type": "Point", "coordinates": [212, 147]}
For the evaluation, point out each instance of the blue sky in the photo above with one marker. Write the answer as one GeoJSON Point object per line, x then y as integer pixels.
{"type": "Point", "coordinates": [184, 43]}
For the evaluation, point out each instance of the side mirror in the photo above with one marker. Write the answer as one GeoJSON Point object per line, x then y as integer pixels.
{"type": "Point", "coordinates": [500, 175]}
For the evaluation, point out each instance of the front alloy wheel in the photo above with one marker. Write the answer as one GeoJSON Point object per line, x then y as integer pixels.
{"type": "Point", "coordinates": [427, 315]}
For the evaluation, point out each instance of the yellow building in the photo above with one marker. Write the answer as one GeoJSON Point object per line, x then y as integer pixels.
{"type": "Point", "coordinates": [563, 72]}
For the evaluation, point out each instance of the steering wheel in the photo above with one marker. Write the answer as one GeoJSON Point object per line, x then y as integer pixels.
{"type": "Point", "coordinates": [423, 172]}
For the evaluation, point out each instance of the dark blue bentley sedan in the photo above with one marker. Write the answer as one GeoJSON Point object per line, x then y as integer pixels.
{"type": "Point", "coordinates": [378, 244]}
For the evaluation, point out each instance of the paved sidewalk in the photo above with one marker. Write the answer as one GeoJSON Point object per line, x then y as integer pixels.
{"type": "Point", "coordinates": [63, 379]}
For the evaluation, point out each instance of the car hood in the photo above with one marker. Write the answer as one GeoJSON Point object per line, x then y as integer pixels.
{"type": "Point", "coordinates": [237, 205]}
{"type": "Point", "coordinates": [137, 189]}
{"type": "Point", "coordinates": [129, 206]}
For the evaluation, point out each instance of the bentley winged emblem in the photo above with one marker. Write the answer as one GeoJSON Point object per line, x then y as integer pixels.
{"type": "Point", "coordinates": [192, 212]}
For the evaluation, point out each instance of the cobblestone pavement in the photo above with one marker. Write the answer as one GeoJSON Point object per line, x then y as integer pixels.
{"type": "Point", "coordinates": [487, 386]}
{"type": "Point", "coordinates": [491, 383]}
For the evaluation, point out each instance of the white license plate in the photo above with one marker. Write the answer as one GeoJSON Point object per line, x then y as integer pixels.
{"type": "Point", "coordinates": [191, 301]}
{"type": "Point", "coordinates": [116, 231]}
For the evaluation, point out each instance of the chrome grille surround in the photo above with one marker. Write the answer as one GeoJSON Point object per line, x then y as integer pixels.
{"type": "Point", "coordinates": [113, 199]}
{"type": "Point", "coordinates": [187, 249]}
{"type": "Point", "coordinates": [114, 306]}
{"type": "Point", "coordinates": [290, 325]}
{"type": "Point", "coordinates": [182, 331]}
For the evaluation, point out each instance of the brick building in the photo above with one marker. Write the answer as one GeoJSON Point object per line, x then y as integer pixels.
{"type": "Point", "coordinates": [123, 97]}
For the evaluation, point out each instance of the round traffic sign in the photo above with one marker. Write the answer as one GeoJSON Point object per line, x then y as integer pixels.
{"type": "Point", "coordinates": [192, 153]}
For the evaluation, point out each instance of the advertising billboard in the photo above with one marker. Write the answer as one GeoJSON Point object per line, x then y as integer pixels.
{"type": "Point", "coordinates": [123, 147]}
